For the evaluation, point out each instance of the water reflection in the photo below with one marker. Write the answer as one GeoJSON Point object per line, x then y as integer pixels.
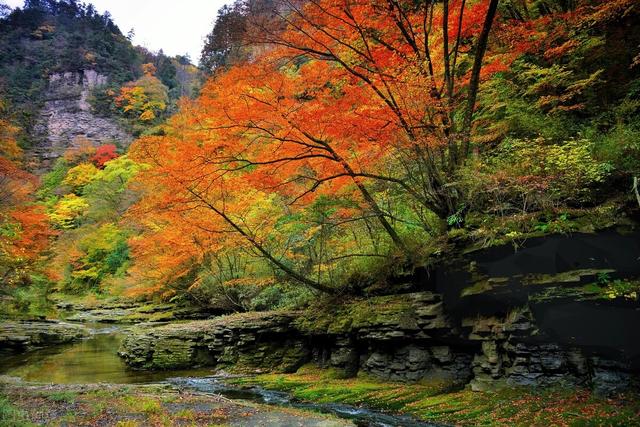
{"type": "Point", "coordinates": [89, 361]}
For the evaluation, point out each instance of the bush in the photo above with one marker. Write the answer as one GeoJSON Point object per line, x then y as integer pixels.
{"type": "Point", "coordinates": [98, 254]}
{"type": "Point", "coordinates": [282, 296]}
{"type": "Point", "coordinates": [524, 175]}
{"type": "Point", "coordinates": [28, 299]}
{"type": "Point", "coordinates": [621, 148]}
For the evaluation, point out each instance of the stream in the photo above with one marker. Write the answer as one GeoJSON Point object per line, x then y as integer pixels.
{"type": "Point", "coordinates": [95, 360]}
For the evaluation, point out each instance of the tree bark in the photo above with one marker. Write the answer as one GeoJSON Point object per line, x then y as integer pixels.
{"type": "Point", "coordinates": [474, 82]}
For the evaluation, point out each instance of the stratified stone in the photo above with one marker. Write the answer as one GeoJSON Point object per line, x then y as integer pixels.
{"type": "Point", "coordinates": [255, 340]}
{"type": "Point", "coordinates": [18, 336]}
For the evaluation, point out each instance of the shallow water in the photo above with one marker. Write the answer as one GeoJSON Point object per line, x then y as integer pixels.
{"type": "Point", "coordinates": [92, 360]}
{"type": "Point", "coordinates": [360, 416]}
{"type": "Point", "coordinates": [95, 360]}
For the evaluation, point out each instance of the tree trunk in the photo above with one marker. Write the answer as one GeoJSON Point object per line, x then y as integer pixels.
{"type": "Point", "coordinates": [474, 82]}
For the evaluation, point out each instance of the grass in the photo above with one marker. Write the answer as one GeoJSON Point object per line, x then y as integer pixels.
{"type": "Point", "coordinates": [128, 406]}
{"type": "Point", "coordinates": [486, 230]}
{"type": "Point", "coordinates": [62, 396]}
{"type": "Point", "coordinates": [147, 405]}
{"type": "Point", "coordinates": [10, 416]}
{"type": "Point", "coordinates": [432, 402]}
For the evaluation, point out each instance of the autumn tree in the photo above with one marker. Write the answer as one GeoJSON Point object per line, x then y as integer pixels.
{"type": "Point", "coordinates": [104, 153]}
{"type": "Point", "coordinates": [424, 62]}
{"type": "Point", "coordinates": [81, 150]}
{"type": "Point", "coordinates": [91, 251]}
{"type": "Point", "coordinates": [227, 43]}
{"type": "Point", "coordinates": [223, 44]}
{"type": "Point", "coordinates": [354, 99]}
{"type": "Point", "coordinates": [24, 226]}
{"type": "Point", "coordinates": [79, 176]}
{"type": "Point", "coordinates": [144, 99]}
{"type": "Point", "coordinates": [109, 194]}
{"type": "Point", "coordinates": [9, 148]}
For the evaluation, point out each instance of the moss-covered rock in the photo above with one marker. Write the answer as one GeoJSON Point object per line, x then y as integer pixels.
{"type": "Point", "coordinates": [253, 340]}
{"type": "Point", "coordinates": [382, 317]}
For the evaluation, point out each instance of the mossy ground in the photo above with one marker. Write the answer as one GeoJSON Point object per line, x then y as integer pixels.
{"type": "Point", "coordinates": [138, 406]}
{"type": "Point", "coordinates": [432, 402]}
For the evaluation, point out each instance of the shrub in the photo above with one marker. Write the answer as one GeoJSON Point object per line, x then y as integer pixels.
{"type": "Point", "coordinates": [523, 175]}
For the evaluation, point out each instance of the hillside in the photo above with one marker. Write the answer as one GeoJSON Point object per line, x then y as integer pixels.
{"type": "Point", "coordinates": [57, 60]}
{"type": "Point", "coordinates": [73, 89]}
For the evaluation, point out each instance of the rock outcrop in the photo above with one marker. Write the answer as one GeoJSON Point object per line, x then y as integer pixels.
{"type": "Point", "coordinates": [506, 326]}
{"type": "Point", "coordinates": [126, 311]}
{"type": "Point", "coordinates": [400, 338]}
{"type": "Point", "coordinates": [257, 340]}
{"type": "Point", "coordinates": [19, 336]}
{"type": "Point", "coordinates": [514, 351]}
{"type": "Point", "coordinates": [67, 116]}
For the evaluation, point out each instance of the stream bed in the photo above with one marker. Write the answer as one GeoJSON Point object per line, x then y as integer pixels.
{"type": "Point", "coordinates": [95, 360]}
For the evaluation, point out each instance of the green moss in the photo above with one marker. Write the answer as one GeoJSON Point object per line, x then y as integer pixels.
{"type": "Point", "coordinates": [486, 230]}
{"type": "Point", "coordinates": [562, 285]}
{"type": "Point", "coordinates": [626, 289]}
{"type": "Point", "coordinates": [147, 405]}
{"type": "Point", "coordinates": [340, 318]}
{"type": "Point", "coordinates": [160, 316]}
{"type": "Point", "coordinates": [431, 401]}
{"type": "Point", "coordinates": [483, 286]}
{"type": "Point", "coordinates": [392, 309]}
{"type": "Point", "coordinates": [173, 353]}
{"type": "Point", "coordinates": [568, 277]}
{"type": "Point", "coordinates": [62, 396]}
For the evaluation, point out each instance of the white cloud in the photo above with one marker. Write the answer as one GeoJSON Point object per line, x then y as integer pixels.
{"type": "Point", "coordinates": [176, 27]}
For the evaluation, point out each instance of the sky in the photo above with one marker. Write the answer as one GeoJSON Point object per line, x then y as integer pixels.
{"type": "Point", "coordinates": [176, 27]}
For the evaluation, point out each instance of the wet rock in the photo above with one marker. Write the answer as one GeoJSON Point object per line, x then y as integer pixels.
{"type": "Point", "coordinates": [612, 376]}
{"type": "Point", "coordinates": [117, 311]}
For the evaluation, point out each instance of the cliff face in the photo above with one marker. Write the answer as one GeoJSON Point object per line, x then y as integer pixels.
{"type": "Point", "coordinates": [66, 117]}
{"type": "Point", "coordinates": [495, 318]}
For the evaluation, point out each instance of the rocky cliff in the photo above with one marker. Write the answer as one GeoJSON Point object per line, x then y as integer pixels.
{"type": "Point", "coordinates": [67, 117]}
{"type": "Point", "coordinates": [561, 310]}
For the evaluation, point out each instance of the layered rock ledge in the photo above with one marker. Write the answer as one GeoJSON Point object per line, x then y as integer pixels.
{"type": "Point", "coordinates": [534, 318]}
{"type": "Point", "coordinates": [18, 336]}
{"type": "Point", "coordinates": [265, 340]}
{"type": "Point", "coordinates": [67, 116]}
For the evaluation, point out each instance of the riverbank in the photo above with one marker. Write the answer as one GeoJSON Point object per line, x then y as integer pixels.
{"type": "Point", "coordinates": [498, 337]}
{"type": "Point", "coordinates": [94, 360]}
{"type": "Point", "coordinates": [430, 401]}
{"type": "Point", "coordinates": [140, 405]}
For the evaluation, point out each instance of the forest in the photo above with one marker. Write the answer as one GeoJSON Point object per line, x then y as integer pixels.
{"type": "Point", "coordinates": [327, 154]}
{"type": "Point", "coordinates": [358, 141]}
